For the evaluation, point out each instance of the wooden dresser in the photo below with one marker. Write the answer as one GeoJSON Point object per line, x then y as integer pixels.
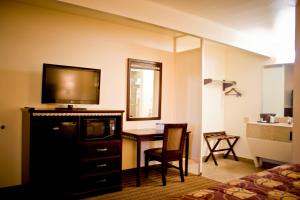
{"type": "Point", "coordinates": [72, 153]}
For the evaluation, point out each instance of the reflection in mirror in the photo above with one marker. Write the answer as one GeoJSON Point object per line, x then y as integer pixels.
{"type": "Point", "coordinates": [277, 89]}
{"type": "Point", "coordinates": [143, 90]}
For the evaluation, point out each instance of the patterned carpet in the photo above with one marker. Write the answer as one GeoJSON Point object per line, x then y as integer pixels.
{"type": "Point", "coordinates": [151, 188]}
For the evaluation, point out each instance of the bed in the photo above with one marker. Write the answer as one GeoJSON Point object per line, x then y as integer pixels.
{"type": "Point", "coordinates": [282, 182]}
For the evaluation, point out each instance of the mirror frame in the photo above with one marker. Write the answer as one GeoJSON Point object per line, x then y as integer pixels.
{"type": "Point", "coordinates": [157, 65]}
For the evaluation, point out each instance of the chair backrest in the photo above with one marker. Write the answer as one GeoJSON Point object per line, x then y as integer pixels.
{"type": "Point", "coordinates": [174, 136]}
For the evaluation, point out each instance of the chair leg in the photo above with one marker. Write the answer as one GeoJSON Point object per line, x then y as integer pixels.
{"type": "Point", "coordinates": [163, 166]}
{"type": "Point", "coordinates": [146, 165]}
{"type": "Point", "coordinates": [181, 170]}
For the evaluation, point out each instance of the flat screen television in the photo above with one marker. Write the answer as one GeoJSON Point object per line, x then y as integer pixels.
{"type": "Point", "coordinates": [70, 85]}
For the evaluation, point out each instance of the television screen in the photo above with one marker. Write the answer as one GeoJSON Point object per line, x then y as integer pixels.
{"type": "Point", "coordinates": [70, 85]}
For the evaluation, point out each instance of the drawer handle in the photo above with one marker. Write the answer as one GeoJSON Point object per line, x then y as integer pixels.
{"type": "Point", "coordinates": [158, 137]}
{"type": "Point", "coordinates": [101, 181]}
{"type": "Point", "coordinates": [56, 128]}
{"type": "Point", "coordinates": [101, 165]}
{"type": "Point", "coordinates": [101, 150]}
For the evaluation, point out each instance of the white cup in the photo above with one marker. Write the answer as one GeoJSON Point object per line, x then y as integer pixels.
{"type": "Point", "coordinates": [272, 119]}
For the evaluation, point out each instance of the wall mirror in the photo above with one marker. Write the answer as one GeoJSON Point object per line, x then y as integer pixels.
{"type": "Point", "coordinates": [144, 80]}
{"type": "Point", "coordinates": [277, 89]}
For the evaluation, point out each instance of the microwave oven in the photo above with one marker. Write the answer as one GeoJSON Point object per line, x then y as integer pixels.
{"type": "Point", "coordinates": [98, 128]}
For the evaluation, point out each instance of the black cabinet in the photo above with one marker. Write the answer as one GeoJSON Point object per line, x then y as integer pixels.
{"type": "Point", "coordinates": [72, 153]}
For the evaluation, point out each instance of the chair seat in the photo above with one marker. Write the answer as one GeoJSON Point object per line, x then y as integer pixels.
{"type": "Point", "coordinates": [157, 153]}
{"type": "Point", "coordinates": [154, 151]}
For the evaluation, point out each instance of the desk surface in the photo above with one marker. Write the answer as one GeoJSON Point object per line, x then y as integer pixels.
{"type": "Point", "coordinates": [148, 131]}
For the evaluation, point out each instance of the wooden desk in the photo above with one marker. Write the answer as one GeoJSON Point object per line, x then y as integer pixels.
{"type": "Point", "coordinates": [140, 135]}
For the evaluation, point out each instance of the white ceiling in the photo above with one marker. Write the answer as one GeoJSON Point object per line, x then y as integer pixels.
{"type": "Point", "coordinates": [266, 27]}
{"type": "Point", "coordinates": [240, 15]}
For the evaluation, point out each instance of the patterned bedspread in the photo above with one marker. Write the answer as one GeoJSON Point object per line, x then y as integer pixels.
{"type": "Point", "coordinates": [282, 182]}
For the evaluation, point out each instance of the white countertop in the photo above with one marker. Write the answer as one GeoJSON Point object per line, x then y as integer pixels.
{"type": "Point", "coordinates": [272, 124]}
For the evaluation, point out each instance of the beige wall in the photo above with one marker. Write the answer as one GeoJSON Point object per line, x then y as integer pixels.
{"type": "Point", "coordinates": [296, 110]}
{"type": "Point", "coordinates": [188, 95]}
{"type": "Point", "coordinates": [214, 63]}
{"type": "Point", "coordinates": [32, 35]}
{"type": "Point", "coordinates": [244, 68]}
{"type": "Point", "coordinates": [228, 113]}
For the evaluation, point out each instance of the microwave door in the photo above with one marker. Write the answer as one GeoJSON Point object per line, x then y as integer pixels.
{"type": "Point", "coordinates": [98, 129]}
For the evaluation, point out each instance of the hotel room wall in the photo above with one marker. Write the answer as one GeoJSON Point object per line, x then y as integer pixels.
{"type": "Point", "coordinates": [214, 62]}
{"type": "Point", "coordinates": [245, 68]}
{"type": "Point", "coordinates": [33, 35]}
{"type": "Point", "coordinates": [188, 95]}
{"type": "Point", "coordinates": [296, 106]}
{"type": "Point", "coordinates": [229, 113]}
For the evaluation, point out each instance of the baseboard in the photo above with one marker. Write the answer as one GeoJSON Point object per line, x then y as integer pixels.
{"type": "Point", "coordinates": [154, 166]}
{"type": "Point", "coordinates": [131, 170]}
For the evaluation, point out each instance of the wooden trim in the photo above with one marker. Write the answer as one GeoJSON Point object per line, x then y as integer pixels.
{"type": "Point", "coordinates": [49, 110]}
{"type": "Point", "coordinates": [154, 65]}
{"type": "Point", "coordinates": [128, 89]}
{"type": "Point", "coordinates": [25, 177]}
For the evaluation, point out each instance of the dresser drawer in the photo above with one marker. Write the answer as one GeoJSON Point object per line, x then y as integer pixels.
{"type": "Point", "coordinates": [100, 149]}
{"type": "Point", "coordinates": [100, 166]}
{"type": "Point", "coordinates": [99, 182]}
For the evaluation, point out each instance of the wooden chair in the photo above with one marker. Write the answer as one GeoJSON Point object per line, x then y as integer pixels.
{"type": "Point", "coordinates": [172, 149]}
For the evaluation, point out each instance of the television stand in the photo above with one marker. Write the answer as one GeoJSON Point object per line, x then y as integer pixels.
{"type": "Point", "coordinates": [66, 155]}
{"type": "Point", "coordinates": [70, 108]}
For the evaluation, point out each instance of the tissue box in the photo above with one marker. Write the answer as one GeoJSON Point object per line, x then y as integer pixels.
{"type": "Point", "coordinates": [160, 126]}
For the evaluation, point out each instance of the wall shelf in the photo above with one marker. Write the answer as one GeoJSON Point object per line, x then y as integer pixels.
{"type": "Point", "coordinates": [225, 83]}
